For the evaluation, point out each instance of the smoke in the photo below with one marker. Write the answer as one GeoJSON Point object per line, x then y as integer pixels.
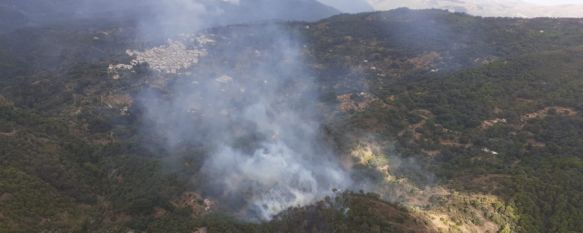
{"type": "Point", "coordinates": [244, 95]}
{"type": "Point", "coordinates": [251, 103]}
{"type": "Point", "coordinates": [241, 99]}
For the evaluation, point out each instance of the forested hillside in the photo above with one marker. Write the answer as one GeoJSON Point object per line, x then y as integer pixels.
{"type": "Point", "coordinates": [463, 124]}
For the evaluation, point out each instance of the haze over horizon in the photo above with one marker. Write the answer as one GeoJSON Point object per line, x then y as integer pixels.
{"type": "Point", "coordinates": [555, 2]}
{"type": "Point", "coordinates": [487, 8]}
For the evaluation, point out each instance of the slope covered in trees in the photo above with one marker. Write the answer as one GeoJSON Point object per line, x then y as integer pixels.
{"type": "Point", "coordinates": [488, 108]}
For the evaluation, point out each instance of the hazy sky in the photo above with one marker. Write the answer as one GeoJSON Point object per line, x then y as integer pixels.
{"type": "Point", "coordinates": [555, 2]}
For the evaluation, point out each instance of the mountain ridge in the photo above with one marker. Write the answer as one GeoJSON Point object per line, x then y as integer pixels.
{"type": "Point", "coordinates": [513, 8]}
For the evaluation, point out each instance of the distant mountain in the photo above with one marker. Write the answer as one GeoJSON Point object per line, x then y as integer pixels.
{"type": "Point", "coordinates": [489, 8]}
{"type": "Point", "coordinates": [15, 14]}
{"type": "Point", "coordinates": [10, 19]}
{"type": "Point", "coordinates": [349, 6]}
{"type": "Point", "coordinates": [253, 10]}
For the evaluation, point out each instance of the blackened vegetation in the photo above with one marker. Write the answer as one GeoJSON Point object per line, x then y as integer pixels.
{"type": "Point", "coordinates": [70, 163]}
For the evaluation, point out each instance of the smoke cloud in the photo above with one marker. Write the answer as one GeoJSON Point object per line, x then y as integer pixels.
{"type": "Point", "coordinates": [249, 101]}
{"type": "Point", "coordinates": [260, 125]}
{"type": "Point", "coordinates": [241, 99]}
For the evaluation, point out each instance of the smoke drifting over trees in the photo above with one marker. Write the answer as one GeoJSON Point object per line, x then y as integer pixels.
{"type": "Point", "coordinates": [260, 127]}
{"type": "Point", "coordinates": [257, 123]}
{"type": "Point", "coordinates": [246, 100]}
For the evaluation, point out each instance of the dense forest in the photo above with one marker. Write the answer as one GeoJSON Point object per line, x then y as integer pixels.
{"type": "Point", "coordinates": [478, 123]}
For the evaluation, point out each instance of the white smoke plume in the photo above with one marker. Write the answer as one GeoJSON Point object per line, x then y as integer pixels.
{"type": "Point", "coordinates": [261, 128]}
{"type": "Point", "coordinates": [247, 99]}
{"type": "Point", "coordinates": [256, 116]}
